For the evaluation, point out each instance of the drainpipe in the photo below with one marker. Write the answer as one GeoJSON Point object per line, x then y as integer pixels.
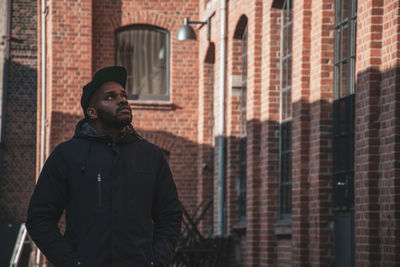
{"type": "Point", "coordinates": [43, 83]}
{"type": "Point", "coordinates": [43, 98]}
{"type": "Point", "coordinates": [221, 123]}
{"type": "Point", "coordinates": [6, 39]}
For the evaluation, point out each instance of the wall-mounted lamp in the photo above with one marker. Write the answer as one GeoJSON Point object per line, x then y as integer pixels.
{"type": "Point", "coordinates": [187, 33]}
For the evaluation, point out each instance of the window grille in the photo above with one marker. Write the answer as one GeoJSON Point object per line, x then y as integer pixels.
{"type": "Point", "coordinates": [344, 105]}
{"type": "Point", "coordinates": [285, 143]}
{"type": "Point", "coordinates": [144, 51]}
{"type": "Point", "coordinates": [243, 131]}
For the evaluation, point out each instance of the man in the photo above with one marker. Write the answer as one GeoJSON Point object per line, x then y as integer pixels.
{"type": "Point", "coordinates": [120, 199]}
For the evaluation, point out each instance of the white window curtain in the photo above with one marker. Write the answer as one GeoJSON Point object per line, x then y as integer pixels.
{"type": "Point", "coordinates": [143, 52]}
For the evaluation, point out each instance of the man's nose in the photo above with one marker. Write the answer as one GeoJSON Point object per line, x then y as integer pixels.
{"type": "Point", "coordinates": [123, 99]}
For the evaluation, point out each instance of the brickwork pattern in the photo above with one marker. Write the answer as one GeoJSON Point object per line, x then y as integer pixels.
{"type": "Point", "coordinates": [389, 182]}
{"type": "Point", "coordinates": [181, 119]}
{"type": "Point", "coordinates": [276, 245]}
{"type": "Point", "coordinates": [205, 162]}
{"type": "Point", "coordinates": [366, 173]}
{"type": "Point", "coordinates": [320, 165]}
{"type": "Point", "coordinates": [81, 40]}
{"type": "Point", "coordinates": [301, 131]}
{"type": "Point", "coordinates": [19, 143]}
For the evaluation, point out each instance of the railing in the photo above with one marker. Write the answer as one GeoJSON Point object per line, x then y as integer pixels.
{"type": "Point", "coordinates": [196, 250]}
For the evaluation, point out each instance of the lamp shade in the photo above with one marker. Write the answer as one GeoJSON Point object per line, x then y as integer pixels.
{"type": "Point", "coordinates": [186, 33]}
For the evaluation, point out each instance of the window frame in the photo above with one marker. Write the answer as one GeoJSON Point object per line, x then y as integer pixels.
{"type": "Point", "coordinates": [139, 97]}
{"type": "Point", "coordinates": [344, 108]}
{"type": "Point", "coordinates": [243, 130]}
{"type": "Point", "coordinates": [284, 214]}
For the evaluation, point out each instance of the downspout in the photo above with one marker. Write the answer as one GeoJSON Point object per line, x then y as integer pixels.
{"type": "Point", "coordinates": [43, 96]}
{"type": "Point", "coordinates": [43, 83]}
{"type": "Point", "coordinates": [7, 42]}
{"type": "Point", "coordinates": [221, 123]}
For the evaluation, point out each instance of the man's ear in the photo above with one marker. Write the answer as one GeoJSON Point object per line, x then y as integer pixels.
{"type": "Point", "coordinates": [91, 113]}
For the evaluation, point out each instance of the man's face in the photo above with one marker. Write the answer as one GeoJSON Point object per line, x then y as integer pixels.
{"type": "Point", "coordinates": [110, 106]}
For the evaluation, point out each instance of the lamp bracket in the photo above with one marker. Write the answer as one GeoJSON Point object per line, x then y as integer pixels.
{"type": "Point", "coordinates": [208, 22]}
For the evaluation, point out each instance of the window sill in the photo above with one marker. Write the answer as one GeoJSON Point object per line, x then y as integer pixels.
{"type": "Point", "coordinates": [283, 229]}
{"type": "Point", "coordinates": [153, 104]}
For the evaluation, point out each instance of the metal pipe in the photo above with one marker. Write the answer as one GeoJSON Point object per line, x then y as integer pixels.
{"type": "Point", "coordinates": [4, 86]}
{"type": "Point", "coordinates": [221, 123]}
{"type": "Point", "coordinates": [43, 98]}
{"type": "Point", "coordinates": [43, 83]}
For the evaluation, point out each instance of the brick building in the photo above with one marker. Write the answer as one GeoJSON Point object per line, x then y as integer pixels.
{"type": "Point", "coordinates": [18, 87]}
{"type": "Point", "coordinates": [300, 148]}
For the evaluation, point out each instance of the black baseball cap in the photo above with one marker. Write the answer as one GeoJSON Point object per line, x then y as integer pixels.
{"type": "Point", "coordinates": [114, 73]}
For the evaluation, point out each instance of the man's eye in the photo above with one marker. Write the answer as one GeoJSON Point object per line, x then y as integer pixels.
{"type": "Point", "coordinates": [109, 97]}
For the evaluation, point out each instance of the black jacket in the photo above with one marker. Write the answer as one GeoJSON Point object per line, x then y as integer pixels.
{"type": "Point", "coordinates": [120, 200]}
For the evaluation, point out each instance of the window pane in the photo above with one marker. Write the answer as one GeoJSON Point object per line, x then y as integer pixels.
{"type": "Point", "coordinates": [289, 72]}
{"type": "Point", "coordinates": [144, 52]}
{"type": "Point", "coordinates": [286, 47]}
{"type": "Point", "coordinates": [345, 9]}
{"type": "Point", "coordinates": [338, 40]}
{"type": "Point", "coordinates": [353, 38]}
{"type": "Point", "coordinates": [343, 82]}
{"type": "Point", "coordinates": [344, 43]}
{"type": "Point", "coordinates": [345, 47]}
{"type": "Point", "coordinates": [284, 105]}
{"type": "Point", "coordinates": [285, 168]}
{"type": "Point", "coordinates": [284, 70]}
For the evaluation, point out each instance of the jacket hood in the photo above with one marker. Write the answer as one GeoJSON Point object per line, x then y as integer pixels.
{"type": "Point", "coordinates": [85, 130]}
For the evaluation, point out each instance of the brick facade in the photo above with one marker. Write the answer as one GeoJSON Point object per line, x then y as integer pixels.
{"type": "Point", "coordinates": [18, 144]}
{"type": "Point", "coordinates": [81, 39]}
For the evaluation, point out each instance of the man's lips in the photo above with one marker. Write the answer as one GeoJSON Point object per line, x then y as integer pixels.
{"type": "Point", "coordinates": [125, 109]}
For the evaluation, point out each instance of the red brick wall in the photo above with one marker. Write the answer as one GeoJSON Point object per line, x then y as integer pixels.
{"type": "Point", "coordinates": [69, 44]}
{"type": "Point", "coordinates": [320, 115]}
{"type": "Point", "coordinates": [17, 150]}
{"type": "Point", "coordinates": [177, 119]}
{"type": "Point", "coordinates": [205, 164]}
{"type": "Point", "coordinates": [377, 182]}
{"type": "Point", "coordinates": [389, 182]}
{"type": "Point", "coordinates": [301, 131]}
{"type": "Point", "coordinates": [81, 40]}
{"type": "Point", "coordinates": [366, 175]}
{"type": "Point", "coordinates": [274, 243]}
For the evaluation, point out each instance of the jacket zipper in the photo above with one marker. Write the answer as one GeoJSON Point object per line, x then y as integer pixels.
{"type": "Point", "coordinates": [152, 257]}
{"type": "Point", "coordinates": [99, 189]}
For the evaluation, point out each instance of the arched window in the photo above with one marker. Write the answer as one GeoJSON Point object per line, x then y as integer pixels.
{"type": "Point", "coordinates": [243, 130]}
{"type": "Point", "coordinates": [144, 51]}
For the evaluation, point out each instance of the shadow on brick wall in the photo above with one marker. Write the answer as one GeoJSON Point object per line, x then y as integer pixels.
{"type": "Point", "coordinates": [18, 147]}
{"type": "Point", "coordinates": [194, 168]}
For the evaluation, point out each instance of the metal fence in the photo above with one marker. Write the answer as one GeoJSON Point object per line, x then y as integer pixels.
{"type": "Point", "coordinates": [195, 249]}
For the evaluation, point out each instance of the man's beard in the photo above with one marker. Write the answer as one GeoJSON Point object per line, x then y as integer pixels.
{"type": "Point", "coordinates": [111, 121]}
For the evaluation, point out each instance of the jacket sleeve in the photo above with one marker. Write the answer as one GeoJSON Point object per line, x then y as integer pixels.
{"type": "Point", "coordinates": [167, 215]}
{"type": "Point", "coordinates": [45, 208]}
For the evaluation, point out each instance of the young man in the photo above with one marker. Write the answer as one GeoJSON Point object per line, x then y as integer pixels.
{"type": "Point", "coordinates": [120, 199]}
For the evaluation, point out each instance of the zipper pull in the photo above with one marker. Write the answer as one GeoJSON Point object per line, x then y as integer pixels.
{"type": "Point", "coordinates": [99, 189]}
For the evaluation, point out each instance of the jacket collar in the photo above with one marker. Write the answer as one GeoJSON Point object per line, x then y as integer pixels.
{"type": "Point", "coordinates": [85, 130]}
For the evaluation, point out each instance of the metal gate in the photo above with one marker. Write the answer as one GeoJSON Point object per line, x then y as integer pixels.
{"type": "Point", "coordinates": [196, 250]}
